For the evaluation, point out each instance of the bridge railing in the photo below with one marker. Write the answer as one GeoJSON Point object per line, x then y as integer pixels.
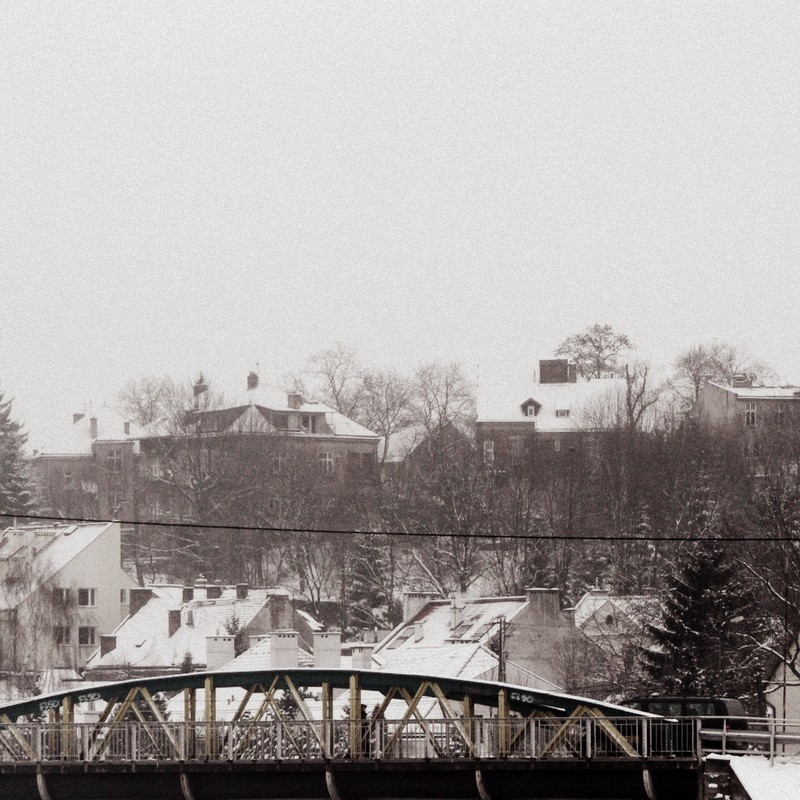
{"type": "Point", "coordinates": [304, 740]}
{"type": "Point", "coordinates": [775, 738]}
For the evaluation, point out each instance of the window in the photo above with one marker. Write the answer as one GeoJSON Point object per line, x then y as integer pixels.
{"type": "Point", "coordinates": [780, 414]}
{"type": "Point", "coordinates": [516, 449]}
{"type": "Point", "coordinates": [61, 596]}
{"type": "Point", "coordinates": [530, 410]}
{"type": "Point", "coordinates": [115, 501]}
{"type": "Point", "coordinates": [86, 597]}
{"type": "Point", "coordinates": [114, 460]}
{"type": "Point", "coordinates": [750, 415]}
{"type": "Point", "coordinates": [562, 412]}
{"type": "Point", "coordinates": [61, 634]}
{"type": "Point", "coordinates": [326, 462]}
{"type": "Point", "coordinates": [488, 451]}
{"type": "Point", "coordinates": [155, 467]}
{"type": "Point", "coordinates": [557, 445]}
{"type": "Point", "coordinates": [86, 636]}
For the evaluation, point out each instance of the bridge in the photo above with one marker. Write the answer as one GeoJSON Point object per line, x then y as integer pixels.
{"type": "Point", "coordinates": [338, 734]}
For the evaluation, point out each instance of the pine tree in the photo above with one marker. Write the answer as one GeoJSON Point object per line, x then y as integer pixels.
{"type": "Point", "coordinates": [704, 644]}
{"type": "Point", "coordinates": [15, 495]}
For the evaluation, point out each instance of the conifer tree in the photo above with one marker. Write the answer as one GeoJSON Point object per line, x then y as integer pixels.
{"type": "Point", "coordinates": [15, 495]}
{"type": "Point", "coordinates": [705, 641]}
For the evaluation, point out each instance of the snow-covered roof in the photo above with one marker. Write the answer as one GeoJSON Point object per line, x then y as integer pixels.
{"type": "Point", "coordinates": [259, 656]}
{"type": "Point", "coordinates": [760, 392]}
{"type": "Point", "coordinates": [584, 401]}
{"type": "Point", "coordinates": [143, 640]}
{"type": "Point", "coordinates": [597, 602]}
{"type": "Point", "coordinates": [47, 549]}
{"type": "Point", "coordinates": [75, 438]}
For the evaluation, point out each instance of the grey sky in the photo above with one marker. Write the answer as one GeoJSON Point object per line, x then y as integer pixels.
{"type": "Point", "coordinates": [210, 185]}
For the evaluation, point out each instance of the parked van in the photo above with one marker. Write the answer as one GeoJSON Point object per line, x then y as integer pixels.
{"type": "Point", "coordinates": [679, 730]}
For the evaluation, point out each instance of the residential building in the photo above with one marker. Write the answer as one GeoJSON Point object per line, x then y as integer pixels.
{"type": "Point", "coordinates": [174, 628]}
{"type": "Point", "coordinates": [88, 469]}
{"type": "Point", "coordinates": [540, 645]}
{"type": "Point", "coordinates": [618, 626]}
{"type": "Point", "coordinates": [746, 406]}
{"type": "Point", "coordinates": [543, 417]}
{"type": "Point", "coordinates": [61, 588]}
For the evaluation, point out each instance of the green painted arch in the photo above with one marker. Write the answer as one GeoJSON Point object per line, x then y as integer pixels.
{"type": "Point", "coordinates": [521, 699]}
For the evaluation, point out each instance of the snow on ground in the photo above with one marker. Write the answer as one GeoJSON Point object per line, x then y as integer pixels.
{"type": "Point", "coordinates": [781, 781]}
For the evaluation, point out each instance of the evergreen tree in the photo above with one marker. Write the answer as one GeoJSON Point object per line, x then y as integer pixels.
{"type": "Point", "coordinates": [705, 642]}
{"type": "Point", "coordinates": [15, 495]}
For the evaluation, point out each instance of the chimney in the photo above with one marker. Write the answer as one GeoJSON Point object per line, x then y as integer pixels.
{"type": "Point", "coordinates": [362, 655]}
{"type": "Point", "coordinates": [173, 621]}
{"type": "Point", "coordinates": [93, 427]}
{"type": "Point", "coordinates": [213, 592]}
{"type": "Point", "coordinates": [77, 418]}
{"type": "Point", "coordinates": [108, 642]}
{"type": "Point", "coordinates": [187, 595]}
{"type": "Point", "coordinates": [456, 614]}
{"type": "Point", "coordinates": [283, 649]}
{"type": "Point", "coordinates": [219, 650]}
{"type": "Point", "coordinates": [252, 380]}
{"type": "Point", "coordinates": [138, 599]}
{"type": "Point", "coordinates": [294, 400]}
{"type": "Point", "coordinates": [557, 370]}
{"type": "Point", "coordinates": [281, 611]}
{"type": "Point", "coordinates": [545, 605]}
{"type": "Point", "coordinates": [241, 591]}
{"type": "Point", "coordinates": [126, 426]}
{"type": "Point", "coordinates": [327, 649]}
{"type": "Point", "coordinates": [414, 602]}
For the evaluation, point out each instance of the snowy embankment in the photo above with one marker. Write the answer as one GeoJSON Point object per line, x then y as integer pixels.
{"type": "Point", "coordinates": [781, 781]}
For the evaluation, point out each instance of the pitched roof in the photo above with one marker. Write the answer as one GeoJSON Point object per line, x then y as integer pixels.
{"type": "Point", "coordinates": [582, 400]}
{"type": "Point", "coordinates": [47, 549]}
{"type": "Point", "coordinates": [75, 438]}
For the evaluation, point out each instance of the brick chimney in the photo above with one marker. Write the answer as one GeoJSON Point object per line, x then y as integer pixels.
{"type": "Point", "coordinates": [414, 602]}
{"type": "Point", "coordinates": [327, 649]}
{"type": "Point", "coordinates": [242, 590]}
{"type": "Point", "coordinates": [545, 605]}
{"type": "Point", "coordinates": [281, 611]}
{"type": "Point", "coordinates": [283, 649]}
{"type": "Point", "coordinates": [219, 650]}
{"type": "Point", "coordinates": [93, 427]}
{"type": "Point", "coordinates": [252, 380]}
{"type": "Point", "coordinates": [213, 592]}
{"type": "Point", "coordinates": [362, 655]}
{"type": "Point", "coordinates": [557, 370]}
{"type": "Point", "coordinates": [187, 595]}
{"type": "Point", "coordinates": [294, 400]}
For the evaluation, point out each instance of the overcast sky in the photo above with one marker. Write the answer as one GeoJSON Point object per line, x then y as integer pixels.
{"type": "Point", "coordinates": [202, 185]}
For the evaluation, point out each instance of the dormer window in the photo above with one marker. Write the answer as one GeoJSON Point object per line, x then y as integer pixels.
{"type": "Point", "coordinates": [562, 412]}
{"type": "Point", "coordinates": [530, 408]}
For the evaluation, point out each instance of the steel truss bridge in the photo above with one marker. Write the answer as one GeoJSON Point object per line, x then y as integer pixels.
{"type": "Point", "coordinates": [302, 733]}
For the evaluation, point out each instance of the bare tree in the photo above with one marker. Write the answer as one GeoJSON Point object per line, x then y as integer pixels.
{"type": "Point", "coordinates": [386, 404]}
{"type": "Point", "coordinates": [338, 376]}
{"type": "Point", "coordinates": [147, 400]}
{"type": "Point", "coordinates": [442, 395]}
{"type": "Point", "coordinates": [717, 361]}
{"type": "Point", "coordinates": [597, 351]}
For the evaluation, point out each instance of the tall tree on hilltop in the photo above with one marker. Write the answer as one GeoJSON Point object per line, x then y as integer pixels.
{"type": "Point", "coordinates": [597, 351]}
{"type": "Point", "coordinates": [15, 494]}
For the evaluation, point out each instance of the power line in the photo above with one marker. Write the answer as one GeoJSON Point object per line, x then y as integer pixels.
{"type": "Point", "coordinates": [495, 537]}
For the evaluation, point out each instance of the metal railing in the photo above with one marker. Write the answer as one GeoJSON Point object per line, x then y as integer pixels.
{"type": "Point", "coordinates": [773, 738]}
{"type": "Point", "coordinates": [303, 740]}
